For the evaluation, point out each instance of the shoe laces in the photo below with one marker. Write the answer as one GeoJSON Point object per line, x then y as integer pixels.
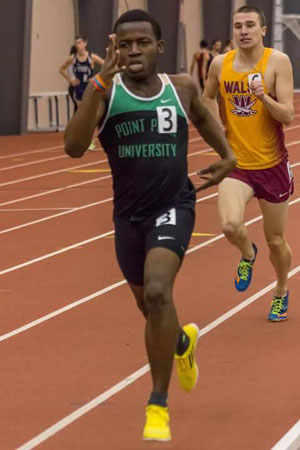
{"type": "Point", "coordinates": [277, 305]}
{"type": "Point", "coordinates": [157, 412]}
{"type": "Point", "coordinates": [245, 268]}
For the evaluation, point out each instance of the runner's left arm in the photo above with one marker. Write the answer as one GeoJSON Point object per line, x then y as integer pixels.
{"type": "Point", "coordinates": [97, 59]}
{"type": "Point", "coordinates": [281, 109]}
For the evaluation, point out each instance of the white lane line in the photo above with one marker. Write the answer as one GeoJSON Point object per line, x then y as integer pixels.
{"type": "Point", "coordinates": [8, 183]}
{"type": "Point", "coordinates": [17, 227]}
{"type": "Point", "coordinates": [291, 128]}
{"type": "Point", "coordinates": [49, 255]}
{"type": "Point", "coordinates": [47, 149]}
{"type": "Point", "coordinates": [16, 155]}
{"type": "Point", "coordinates": [290, 144]}
{"type": "Point", "coordinates": [61, 310]}
{"type": "Point", "coordinates": [41, 209]}
{"type": "Point", "coordinates": [61, 189]}
{"type": "Point", "coordinates": [53, 191]}
{"type": "Point", "coordinates": [84, 409]}
{"type": "Point", "coordinates": [34, 177]}
{"type": "Point", "coordinates": [54, 216]}
{"type": "Point", "coordinates": [75, 209]}
{"type": "Point", "coordinates": [54, 172]}
{"type": "Point", "coordinates": [16, 166]}
{"type": "Point", "coordinates": [57, 252]}
{"type": "Point", "coordinates": [73, 305]}
{"type": "Point", "coordinates": [291, 440]}
{"type": "Point", "coordinates": [67, 420]}
{"type": "Point", "coordinates": [295, 165]}
{"type": "Point", "coordinates": [46, 174]}
{"type": "Point", "coordinates": [220, 236]}
{"type": "Point", "coordinates": [78, 302]}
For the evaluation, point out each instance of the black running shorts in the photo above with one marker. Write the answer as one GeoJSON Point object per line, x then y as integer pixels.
{"type": "Point", "coordinates": [133, 240]}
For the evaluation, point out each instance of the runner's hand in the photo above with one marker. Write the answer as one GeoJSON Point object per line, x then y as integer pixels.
{"type": "Point", "coordinates": [218, 171]}
{"type": "Point", "coordinates": [75, 82]}
{"type": "Point", "coordinates": [111, 63]}
{"type": "Point", "coordinates": [257, 89]}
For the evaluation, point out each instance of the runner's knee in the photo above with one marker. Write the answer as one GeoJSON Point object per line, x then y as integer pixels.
{"type": "Point", "coordinates": [276, 243]}
{"type": "Point", "coordinates": [231, 229]}
{"type": "Point", "coordinates": [157, 295]}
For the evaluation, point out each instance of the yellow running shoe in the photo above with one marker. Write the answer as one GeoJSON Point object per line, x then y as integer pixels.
{"type": "Point", "coordinates": [186, 365]}
{"type": "Point", "coordinates": [157, 424]}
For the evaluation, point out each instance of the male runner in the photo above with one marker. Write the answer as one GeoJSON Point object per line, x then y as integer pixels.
{"type": "Point", "coordinates": [200, 58]}
{"type": "Point", "coordinates": [215, 50]}
{"type": "Point", "coordinates": [256, 88]}
{"type": "Point", "coordinates": [143, 122]}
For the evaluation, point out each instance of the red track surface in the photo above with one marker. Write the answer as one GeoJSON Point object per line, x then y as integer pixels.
{"type": "Point", "coordinates": [248, 393]}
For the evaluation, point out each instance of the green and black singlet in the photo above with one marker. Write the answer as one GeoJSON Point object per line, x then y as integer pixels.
{"type": "Point", "coordinates": [146, 142]}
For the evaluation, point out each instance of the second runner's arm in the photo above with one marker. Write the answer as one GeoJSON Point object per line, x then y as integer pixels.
{"type": "Point", "coordinates": [213, 134]}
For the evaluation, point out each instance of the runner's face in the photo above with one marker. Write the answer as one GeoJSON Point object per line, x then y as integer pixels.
{"type": "Point", "coordinates": [247, 30]}
{"type": "Point", "coordinates": [218, 46]}
{"type": "Point", "coordinates": [139, 49]}
{"type": "Point", "coordinates": [80, 45]}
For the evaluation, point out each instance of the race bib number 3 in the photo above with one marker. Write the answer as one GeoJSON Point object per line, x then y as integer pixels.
{"type": "Point", "coordinates": [167, 119]}
{"type": "Point", "coordinates": [168, 218]}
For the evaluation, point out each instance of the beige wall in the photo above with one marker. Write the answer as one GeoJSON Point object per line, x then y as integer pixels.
{"type": "Point", "coordinates": [53, 31]}
{"type": "Point", "coordinates": [239, 3]}
{"type": "Point", "coordinates": [124, 5]}
{"type": "Point", "coordinates": [194, 27]}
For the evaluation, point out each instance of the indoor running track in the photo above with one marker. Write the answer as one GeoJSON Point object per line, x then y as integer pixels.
{"type": "Point", "coordinates": [74, 372]}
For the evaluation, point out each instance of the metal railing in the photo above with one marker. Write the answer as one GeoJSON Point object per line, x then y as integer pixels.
{"type": "Point", "coordinates": [48, 111]}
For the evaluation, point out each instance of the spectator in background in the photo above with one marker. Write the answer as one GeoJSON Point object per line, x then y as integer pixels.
{"type": "Point", "coordinates": [200, 58]}
{"type": "Point", "coordinates": [216, 46]}
{"type": "Point", "coordinates": [78, 70]}
{"type": "Point", "coordinates": [71, 75]}
{"type": "Point", "coordinates": [228, 46]}
{"type": "Point", "coordinates": [79, 66]}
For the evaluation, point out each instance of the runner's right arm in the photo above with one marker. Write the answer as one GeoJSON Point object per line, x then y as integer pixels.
{"type": "Point", "coordinates": [193, 64]}
{"type": "Point", "coordinates": [63, 71]}
{"type": "Point", "coordinates": [212, 86]}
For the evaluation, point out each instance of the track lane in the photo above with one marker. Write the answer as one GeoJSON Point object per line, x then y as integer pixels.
{"type": "Point", "coordinates": [131, 436]}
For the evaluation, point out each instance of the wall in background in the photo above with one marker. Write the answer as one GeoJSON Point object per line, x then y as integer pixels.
{"type": "Point", "coordinates": [194, 30]}
{"type": "Point", "coordinates": [53, 32]}
{"type": "Point", "coordinates": [125, 5]}
{"type": "Point", "coordinates": [15, 25]}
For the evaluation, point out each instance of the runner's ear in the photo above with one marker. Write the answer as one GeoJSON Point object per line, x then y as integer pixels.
{"type": "Point", "coordinates": [161, 47]}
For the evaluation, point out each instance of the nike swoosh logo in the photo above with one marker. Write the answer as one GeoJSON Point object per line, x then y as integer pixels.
{"type": "Point", "coordinates": [160, 238]}
{"type": "Point", "coordinates": [166, 101]}
{"type": "Point", "coordinates": [282, 195]}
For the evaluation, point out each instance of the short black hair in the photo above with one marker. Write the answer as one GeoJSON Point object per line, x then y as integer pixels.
{"type": "Point", "coordinates": [203, 43]}
{"type": "Point", "coordinates": [214, 41]}
{"type": "Point", "coordinates": [139, 15]}
{"type": "Point", "coordinates": [251, 8]}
